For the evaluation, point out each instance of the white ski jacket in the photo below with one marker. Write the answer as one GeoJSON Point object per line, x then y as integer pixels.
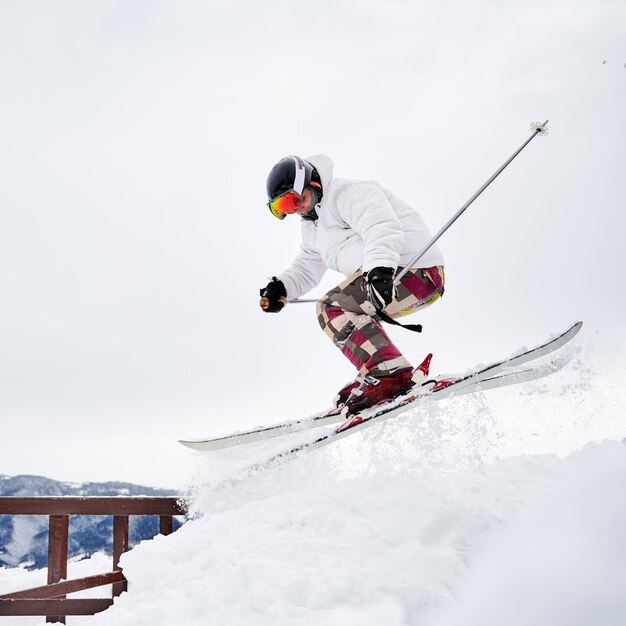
{"type": "Point", "coordinates": [360, 226]}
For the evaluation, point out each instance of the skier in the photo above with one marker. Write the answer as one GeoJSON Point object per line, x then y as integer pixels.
{"type": "Point", "coordinates": [366, 233]}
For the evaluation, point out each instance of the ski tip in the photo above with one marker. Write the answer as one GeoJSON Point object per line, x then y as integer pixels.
{"type": "Point", "coordinates": [574, 328]}
{"type": "Point", "coordinates": [200, 446]}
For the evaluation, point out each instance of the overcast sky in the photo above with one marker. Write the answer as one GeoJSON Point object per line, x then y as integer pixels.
{"type": "Point", "coordinates": [135, 141]}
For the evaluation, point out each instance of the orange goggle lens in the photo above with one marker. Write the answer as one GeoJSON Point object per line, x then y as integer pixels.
{"type": "Point", "coordinates": [285, 204]}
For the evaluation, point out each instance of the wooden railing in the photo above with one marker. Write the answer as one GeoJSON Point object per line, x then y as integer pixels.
{"type": "Point", "coordinates": [50, 600]}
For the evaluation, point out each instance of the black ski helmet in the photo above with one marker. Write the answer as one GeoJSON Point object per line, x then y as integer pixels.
{"type": "Point", "coordinates": [289, 173]}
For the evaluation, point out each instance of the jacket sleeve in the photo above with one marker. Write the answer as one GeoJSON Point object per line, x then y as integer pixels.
{"type": "Point", "coordinates": [365, 208]}
{"type": "Point", "coordinates": [306, 271]}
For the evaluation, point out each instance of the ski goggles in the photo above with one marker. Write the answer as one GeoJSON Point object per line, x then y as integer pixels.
{"type": "Point", "coordinates": [290, 202]}
{"type": "Point", "coordinates": [287, 203]}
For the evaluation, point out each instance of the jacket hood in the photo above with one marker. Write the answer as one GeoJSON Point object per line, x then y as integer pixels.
{"type": "Point", "coordinates": [324, 166]}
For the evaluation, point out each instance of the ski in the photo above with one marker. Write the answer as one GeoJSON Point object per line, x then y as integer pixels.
{"type": "Point", "coordinates": [381, 413]}
{"type": "Point", "coordinates": [323, 419]}
{"type": "Point", "coordinates": [334, 415]}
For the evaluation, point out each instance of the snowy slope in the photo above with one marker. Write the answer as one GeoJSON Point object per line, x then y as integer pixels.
{"type": "Point", "coordinates": [501, 508]}
{"type": "Point", "coordinates": [564, 561]}
{"type": "Point", "coordinates": [417, 521]}
{"type": "Point", "coordinates": [309, 545]}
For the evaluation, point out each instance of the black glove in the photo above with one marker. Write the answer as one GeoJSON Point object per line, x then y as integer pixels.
{"type": "Point", "coordinates": [273, 296]}
{"type": "Point", "coordinates": [380, 287]}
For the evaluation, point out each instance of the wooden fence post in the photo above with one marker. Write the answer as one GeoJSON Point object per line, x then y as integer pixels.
{"type": "Point", "coordinates": [58, 527]}
{"type": "Point", "coordinates": [120, 545]}
{"type": "Point", "coordinates": [166, 524]}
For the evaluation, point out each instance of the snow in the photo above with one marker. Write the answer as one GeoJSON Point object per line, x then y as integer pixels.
{"type": "Point", "coordinates": [531, 539]}
{"type": "Point", "coordinates": [459, 512]}
{"type": "Point", "coordinates": [19, 578]}
{"type": "Point", "coordinates": [565, 561]}
{"type": "Point", "coordinates": [15, 579]}
{"type": "Point", "coordinates": [505, 507]}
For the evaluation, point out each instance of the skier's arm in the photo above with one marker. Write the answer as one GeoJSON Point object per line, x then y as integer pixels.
{"type": "Point", "coordinates": [365, 208]}
{"type": "Point", "coordinates": [305, 272]}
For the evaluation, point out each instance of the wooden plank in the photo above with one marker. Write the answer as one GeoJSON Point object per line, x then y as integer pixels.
{"type": "Point", "coordinates": [166, 524]}
{"type": "Point", "coordinates": [18, 505]}
{"type": "Point", "coordinates": [66, 587]}
{"type": "Point", "coordinates": [58, 527]}
{"type": "Point", "coordinates": [57, 607]}
{"type": "Point", "coordinates": [120, 545]}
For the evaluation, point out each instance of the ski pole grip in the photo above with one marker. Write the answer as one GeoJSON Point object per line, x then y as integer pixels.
{"type": "Point", "coordinates": [265, 302]}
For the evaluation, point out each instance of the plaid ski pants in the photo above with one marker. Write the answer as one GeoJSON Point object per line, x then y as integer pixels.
{"type": "Point", "coordinates": [359, 334]}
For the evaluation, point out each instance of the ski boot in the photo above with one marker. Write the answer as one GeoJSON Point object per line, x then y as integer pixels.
{"type": "Point", "coordinates": [344, 393]}
{"type": "Point", "coordinates": [373, 391]}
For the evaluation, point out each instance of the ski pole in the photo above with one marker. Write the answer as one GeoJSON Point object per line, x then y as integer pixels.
{"type": "Point", "coordinates": [265, 303]}
{"type": "Point", "coordinates": [538, 129]}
